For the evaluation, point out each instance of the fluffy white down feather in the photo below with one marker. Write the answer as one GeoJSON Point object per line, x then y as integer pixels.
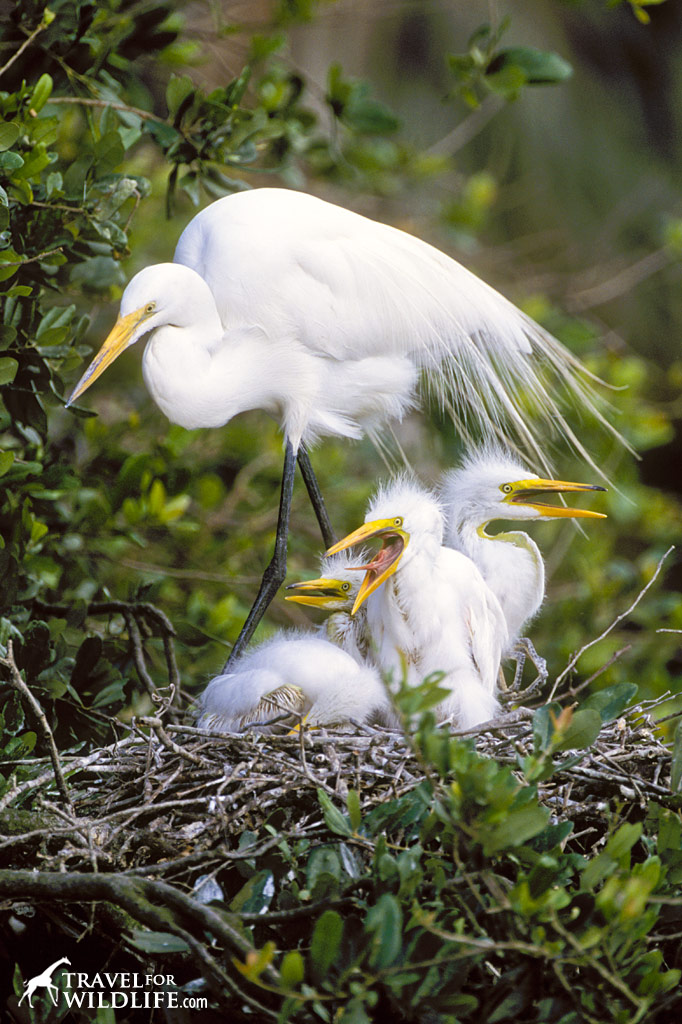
{"type": "Point", "coordinates": [435, 613]}
{"type": "Point", "coordinates": [302, 673]}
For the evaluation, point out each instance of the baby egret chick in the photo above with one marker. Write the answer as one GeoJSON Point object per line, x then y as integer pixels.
{"type": "Point", "coordinates": [335, 591]}
{"type": "Point", "coordinates": [428, 607]}
{"type": "Point", "coordinates": [489, 486]}
{"type": "Point", "coordinates": [296, 673]}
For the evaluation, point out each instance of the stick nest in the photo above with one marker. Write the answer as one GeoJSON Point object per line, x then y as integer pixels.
{"type": "Point", "coordinates": [173, 802]}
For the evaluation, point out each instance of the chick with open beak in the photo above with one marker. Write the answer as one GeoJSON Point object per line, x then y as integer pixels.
{"type": "Point", "coordinates": [394, 540]}
{"type": "Point", "coordinates": [493, 485]}
{"type": "Point", "coordinates": [427, 607]}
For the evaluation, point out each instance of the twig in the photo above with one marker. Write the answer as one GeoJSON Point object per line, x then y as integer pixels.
{"type": "Point", "coordinates": [157, 725]}
{"type": "Point", "coordinates": [84, 102]}
{"type": "Point", "coordinates": [622, 282]}
{"type": "Point", "coordinates": [573, 690]}
{"type": "Point", "coordinates": [18, 683]}
{"type": "Point", "coordinates": [27, 42]}
{"type": "Point", "coordinates": [619, 618]}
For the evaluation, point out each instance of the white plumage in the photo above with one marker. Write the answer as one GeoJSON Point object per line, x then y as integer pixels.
{"type": "Point", "coordinates": [492, 485]}
{"type": "Point", "coordinates": [333, 324]}
{"type": "Point", "coordinates": [293, 672]}
{"type": "Point", "coordinates": [325, 319]}
{"type": "Point", "coordinates": [335, 591]}
{"type": "Point", "coordinates": [428, 607]}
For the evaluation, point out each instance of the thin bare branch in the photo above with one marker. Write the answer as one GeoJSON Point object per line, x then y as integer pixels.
{"type": "Point", "coordinates": [609, 629]}
{"type": "Point", "coordinates": [18, 683]}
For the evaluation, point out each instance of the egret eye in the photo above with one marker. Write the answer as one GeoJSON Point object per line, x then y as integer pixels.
{"type": "Point", "coordinates": [398, 521]}
{"type": "Point", "coordinates": [506, 488]}
{"type": "Point", "coordinates": [345, 586]}
{"type": "Point", "coordinates": [149, 308]}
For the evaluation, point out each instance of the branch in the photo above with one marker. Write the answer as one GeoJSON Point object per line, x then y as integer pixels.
{"type": "Point", "coordinates": [18, 683]}
{"type": "Point", "coordinates": [83, 102]}
{"type": "Point", "coordinates": [27, 42]}
{"type": "Point", "coordinates": [574, 660]}
{"type": "Point", "coordinates": [152, 903]}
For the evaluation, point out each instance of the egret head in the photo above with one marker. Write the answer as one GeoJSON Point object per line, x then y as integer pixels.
{"type": "Point", "coordinates": [166, 293]}
{"type": "Point", "coordinates": [337, 587]}
{"type": "Point", "coordinates": [401, 514]}
{"type": "Point", "coordinates": [493, 485]}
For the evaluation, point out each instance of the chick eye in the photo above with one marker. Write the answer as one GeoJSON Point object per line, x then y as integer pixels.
{"type": "Point", "coordinates": [507, 488]}
{"type": "Point", "coordinates": [150, 307]}
{"type": "Point", "coordinates": [345, 586]}
{"type": "Point", "coordinates": [398, 521]}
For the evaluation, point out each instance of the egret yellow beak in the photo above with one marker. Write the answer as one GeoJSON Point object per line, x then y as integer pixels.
{"type": "Point", "coordinates": [385, 563]}
{"type": "Point", "coordinates": [525, 492]}
{"type": "Point", "coordinates": [125, 332]}
{"type": "Point", "coordinates": [323, 593]}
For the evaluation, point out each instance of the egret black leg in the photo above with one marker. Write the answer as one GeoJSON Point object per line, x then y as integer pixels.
{"type": "Point", "coordinates": [316, 499]}
{"type": "Point", "coordinates": [273, 577]}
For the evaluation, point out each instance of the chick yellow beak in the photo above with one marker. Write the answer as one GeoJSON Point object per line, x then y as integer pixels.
{"type": "Point", "coordinates": [385, 562]}
{"type": "Point", "coordinates": [323, 593]}
{"type": "Point", "coordinates": [526, 492]}
{"type": "Point", "coordinates": [124, 333]}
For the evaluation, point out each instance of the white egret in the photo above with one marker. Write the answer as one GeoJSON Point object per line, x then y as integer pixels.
{"type": "Point", "coordinates": [327, 320]}
{"type": "Point", "coordinates": [293, 673]}
{"type": "Point", "coordinates": [492, 485]}
{"type": "Point", "coordinates": [428, 607]}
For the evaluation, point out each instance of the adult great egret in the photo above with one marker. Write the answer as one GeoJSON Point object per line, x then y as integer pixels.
{"type": "Point", "coordinates": [327, 320]}
{"type": "Point", "coordinates": [296, 673]}
{"type": "Point", "coordinates": [428, 607]}
{"type": "Point", "coordinates": [492, 485]}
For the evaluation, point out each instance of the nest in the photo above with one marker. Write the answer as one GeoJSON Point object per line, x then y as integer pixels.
{"type": "Point", "coordinates": [174, 802]}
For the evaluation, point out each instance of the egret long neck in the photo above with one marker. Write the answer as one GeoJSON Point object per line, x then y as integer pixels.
{"type": "Point", "coordinates": [203, 376]}
{"type": "Point", "coordinates": [512, 566]}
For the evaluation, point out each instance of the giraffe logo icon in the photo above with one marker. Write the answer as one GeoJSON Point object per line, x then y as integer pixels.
{"type": "Point", "coordinates": [44, 980]}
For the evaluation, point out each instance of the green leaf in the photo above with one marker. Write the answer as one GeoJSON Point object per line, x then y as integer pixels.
{"type": "Point", "coordinates": [384, 922]}
{"type": "Point", "coordinates": [6, 460]}
{"type": "Point", "coordinates": [108, 152]}
{"type": "Point", "coordinates": [611, 701]}
{"type": "Point", "coordinates": [292, 969]}
{"type": "Point", "coordinates": [353, 805]}
{"type": "Point", "coordinates": [519, 824]}
{"type": "Point", "coordinates": [158, 942]}
{"type": "Point", "coordinates": [623, 841]}
{"type": "Point", "coordinates": [177, 91]}
{"type": "Point", "coordinates": [10, 162]}
{"type": "Point", "coordinates": [583, 730]}
{"type": "Point", "coordinates": [538, 67]}
{"type": "Point", "coordinates": [335, 820]}
{"type": "Point", "coordinates": [8, 370]}
{"type": "Point", "coordinates": [256, 895]}
{"type": "Point", "coordinates": [9, 133]}
{"type": "Point", "coordinates": [325, 943]}
{"type": "Point", "coordinates": [41, 93]}
{"type": "Point", "coordinates": [544, 724]}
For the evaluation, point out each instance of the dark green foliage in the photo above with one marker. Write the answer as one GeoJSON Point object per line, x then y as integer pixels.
{"type": "Point", "coordinates": [464, 901]}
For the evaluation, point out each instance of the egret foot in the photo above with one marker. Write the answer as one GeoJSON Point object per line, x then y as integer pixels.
{"type": "Point", "coordinates": [524, 650]}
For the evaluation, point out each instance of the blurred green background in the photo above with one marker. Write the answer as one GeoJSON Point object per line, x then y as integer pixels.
{"type": "Point", "coordinates": [565, 197]}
